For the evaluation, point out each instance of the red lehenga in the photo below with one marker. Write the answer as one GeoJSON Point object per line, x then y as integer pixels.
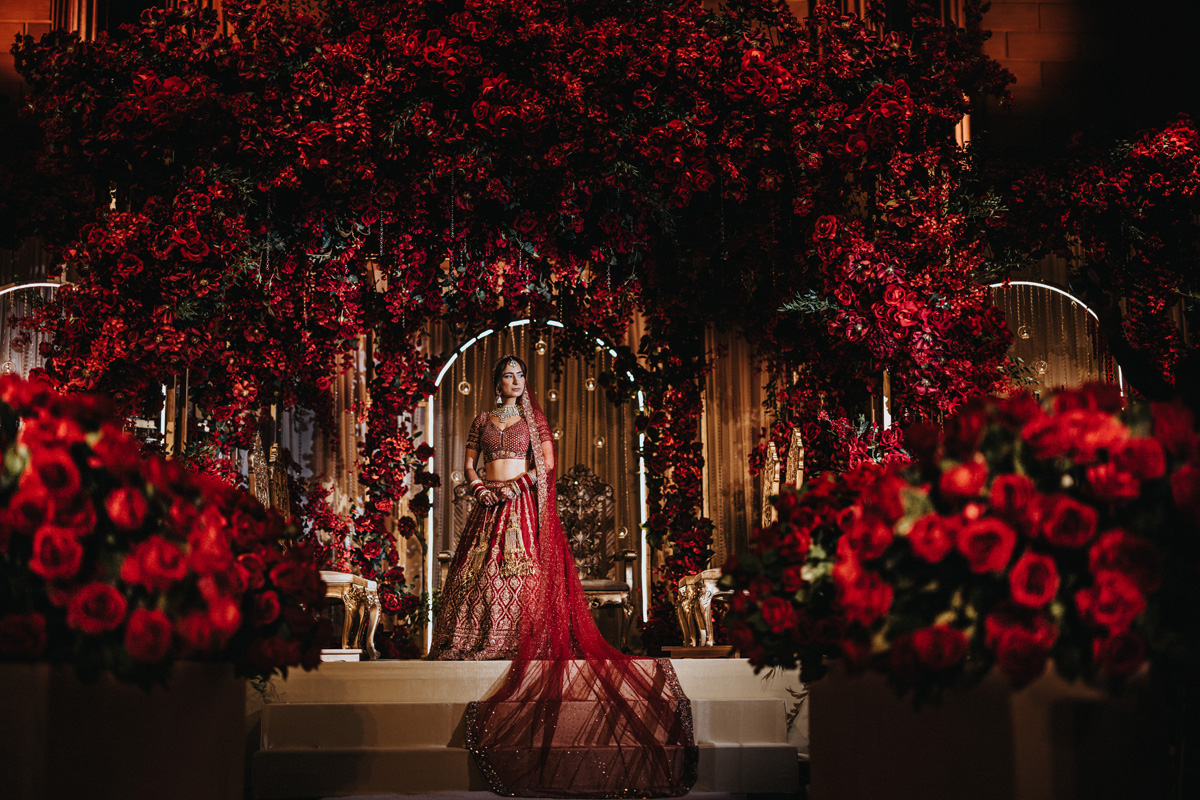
{"type": "Point", "coordinates": [574, 717]}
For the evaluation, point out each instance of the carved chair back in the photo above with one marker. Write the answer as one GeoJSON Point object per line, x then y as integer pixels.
{"type": "Point", "coordinates": [587, 508]}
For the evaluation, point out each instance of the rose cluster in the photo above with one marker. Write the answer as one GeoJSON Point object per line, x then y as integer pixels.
{"type": "Point", "coordinates": [1021, 533]}
{"type": "Point", "coordinates": [118, 563]}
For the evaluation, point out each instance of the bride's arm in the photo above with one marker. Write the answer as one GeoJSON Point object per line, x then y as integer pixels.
{"type": "Point", "coordinates": [548, 454]}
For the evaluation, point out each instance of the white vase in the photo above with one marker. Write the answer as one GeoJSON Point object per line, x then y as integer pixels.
{"type": "Point", "coordinates": [1050, 741]}
{"type": "Point", "coordinates": [61, 738]}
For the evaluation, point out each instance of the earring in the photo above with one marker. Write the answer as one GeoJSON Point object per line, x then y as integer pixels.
{"type": "Point", "coordinates": [499, 399]}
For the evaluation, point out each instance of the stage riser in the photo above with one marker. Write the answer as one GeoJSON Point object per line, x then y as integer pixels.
{"type": "Point", "coordinates": [280, 774]}
{"type": "Point", "coordinates": [369, 725]}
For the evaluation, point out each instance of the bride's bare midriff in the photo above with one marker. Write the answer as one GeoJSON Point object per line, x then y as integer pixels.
{"type": "Point", "coordinates": [505, 469]}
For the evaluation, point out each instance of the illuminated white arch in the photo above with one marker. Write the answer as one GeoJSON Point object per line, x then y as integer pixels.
{"type": "Point", "coordinates": [16, 287]}
{"type": "Point", "coordinates": [641, 401]}
{"type": "Point", "coordinates": [1073, 299]}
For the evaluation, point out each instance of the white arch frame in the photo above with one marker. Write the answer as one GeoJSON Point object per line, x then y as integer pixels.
{"type": "Point", "coordinates": [1073, 299]}
{"type": "Point", "coordinates": [641, 401]}
{"type": "Point", "coordinates": [9, 288]}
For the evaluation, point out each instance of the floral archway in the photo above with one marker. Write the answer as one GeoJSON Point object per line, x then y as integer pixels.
{"type": "Point", "coordinates": [248, 206]}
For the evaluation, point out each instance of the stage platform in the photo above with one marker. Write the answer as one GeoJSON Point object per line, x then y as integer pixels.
{"type": "Point", "coordinates": [396, 728]}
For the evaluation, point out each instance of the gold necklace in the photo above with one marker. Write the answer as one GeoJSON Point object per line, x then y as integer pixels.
{"type": "Point", "coordinates": [505, 412]}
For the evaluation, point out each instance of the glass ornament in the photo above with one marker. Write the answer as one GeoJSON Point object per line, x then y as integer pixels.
{"type": "Point", "coordinates": [558, 433]}
{"type": "Point", "coordinates": [590, 384]}
{"type": "Point", "coordinates": [599, 441]}
{"type": "Point", "coordinates": [464, 387]}
{"type": "Point", "coordinates": [1040, 367]}
{"type": "Point", "coordinates": [1023, 332]}
{"type": "Point", "coordinates": [552, 395]}
{"type": "Point", "coordinates": [540, 347]}
{"type": "Point", "coordinates": [7, 368]}
{"type": "Point", "coordinates": [456, 476]}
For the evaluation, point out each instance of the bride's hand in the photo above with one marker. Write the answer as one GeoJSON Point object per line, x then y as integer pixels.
{"type": "Point", "coordinates": [487, 497]}
{"type": "Point", "coordinates": [508, 491]}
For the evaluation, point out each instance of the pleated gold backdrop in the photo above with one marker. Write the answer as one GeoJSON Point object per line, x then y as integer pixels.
{"type": "Point", "coordinates": [592, 431]}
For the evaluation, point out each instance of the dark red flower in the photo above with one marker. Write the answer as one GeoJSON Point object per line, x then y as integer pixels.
{"type": "Point", "coordinates": [1120, 655]}
{"type": "Point", "coordinates": [1110, 484]}
{"type": "Point", "coordinates": [1132, 556]}
{"type": "Point", "coordinates": [57, 554]}
{"type": "Point", "coordinates": [1113, 602]}
{"type": "Point", "coordinates": [1175, 428]}
{"type": "Point", "coordinates": [266, 608]}
{"type": "Point", "coordinates": [148, 635]}
{"type": "Point", "coordinates": [54, 470]}
{"type": "Point", "coordinates": [126, 507]}
{"type": "Point", "coordinates": [965, 481]}
{"type": "Point", "coordinates": [939, 646]}
{"type": "Point", "coordinates": [931, 538]}
{"type": "Point", "coordinates": [197, 634]}
{"type": "Point", "coordinates": [23, 636]}
{"type": "Point", "coordinates": [1033, 580]}
{"type": "Point", "coordinates": [1066, 522]}
{"type": "Point", "coordinates": [96, 608]}
{"type": "Point", "coordinates": [1185, 490]}
{"type": "Point", "coordinates": [1021, 643]}
{"type": "Point", "coordinates": [778, 614]}
{"type": "Point", "coordinates": [1010, 494]}
{"type": "Point", "coordinates": [987, 544]}
{"type": "Point", "coordinates": [862, 595]}
{"type": "Point", "coordinates": [1142, 458]}
{"type": "Point", "coordinates": [867, 537]}
{"type": "Point", "coordinates": [156, 563]}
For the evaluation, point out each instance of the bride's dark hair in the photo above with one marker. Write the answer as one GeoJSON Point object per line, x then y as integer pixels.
{"type": "Point", "coordinates": [498, 370]}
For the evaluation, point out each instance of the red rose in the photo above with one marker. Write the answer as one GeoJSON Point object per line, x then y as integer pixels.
{"type": "Point", "coordinates": [252, 570]}
{"type": "Point", "coordinates": [987, 544]}
{"type": "Point", "coordinates": [266, 608]}
{"type": "Point", "coordinates": [53, 469]}
{"type": "Point", "coordinates": [930, 538]}
{"type": "Point", "coordinates": [1132, 556]}
{"type": "Point", "coordinates": [1113, 602]}
{"type": "Point", "coordinates": [156, 564]}
{"type": "Point", "coordinates": [866, 537]}
{"type": "Point", "coordinates": [1120, 655]}
{"type": "Point", "coordinates": [1033, 580]}
{"type": "Point", "coordinates": [23, 636]}
{"type": "Point", "coordinates": [1067, 522]}
{"type": "Point", "coordinates": [965, 481]}
{"type": "Point", "coordinates": [197, 634]}
{"type": "Point", "coordinates": [75, 511]}
{"type": "Point", "coordinates": [1142, 458]}
{"type": "Point", "coordinates": [1109, 483]}
{"type": "Point", "coordinates": [1185, 490]}
{"type": "Point", "coordinates": [126, 508]}
{"type": "Point", "coordinates": [208, 543]}
{"type": "Point", "coordinates": [271, 653]}
{"type": "Point", "coordinates": [1174, 428]}
{"type": "Point", "coordinates": [862, 595]}
{"type": "Point", "coordinates": [939, 646]}
{"type": "Point", "coordinates": [884, 497]}
{"type": "Point", "coordinates": [1010, 495]}
{"type": "Point", "coordinates": [793, 578]}
{"type": "Point", "coordinates": [96, 608]}
{"type": "Point", "coordinates": [148, 635]}
{"type": "Point", "coordinates": [298, 579]}
{"type": "Point", "coordinates": [826, 228]}
{"type": "Point", "coordinates": [27, 510]}
{"type": "Point", "coordinates": [1021, 645]}
{"type": "Point", "coordinates": [778, 614]}
{"type": "Point", "coordinates": [225, 617]}
{"type": "Point", "coordinates": [57, 554]}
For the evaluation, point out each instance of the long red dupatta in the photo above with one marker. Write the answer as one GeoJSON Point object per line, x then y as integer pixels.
{"type": "Point", "coordinates": [575, 717]}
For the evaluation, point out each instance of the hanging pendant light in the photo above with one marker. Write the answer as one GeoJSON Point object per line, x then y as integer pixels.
{"type": "Point", "coordinates": [552, 395]}
{"type": "Point", "coordinates": [464, 387]}
{"type": "Point", "coordinates": [590, 384]}
{"type": "Point", "coordinates": [540, 347]}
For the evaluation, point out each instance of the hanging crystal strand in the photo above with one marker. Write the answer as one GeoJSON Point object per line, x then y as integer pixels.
{"type": "Point", "coordinates": [453, 192]}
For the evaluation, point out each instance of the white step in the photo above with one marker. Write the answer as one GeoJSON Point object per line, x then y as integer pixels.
{"type": "Point", "coordinates": [731, 768]}
{"type": "Point", "coordinates": [332, 726]}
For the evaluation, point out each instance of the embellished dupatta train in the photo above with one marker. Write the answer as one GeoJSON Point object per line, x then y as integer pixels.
{"type": "Point", "coordinates": [575, 717]}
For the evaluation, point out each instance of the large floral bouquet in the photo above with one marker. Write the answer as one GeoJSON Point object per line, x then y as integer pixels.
{"type": "Point", "coordinates": [1020, 533]}
{"type": "Point", "coordinates": [121, 564]}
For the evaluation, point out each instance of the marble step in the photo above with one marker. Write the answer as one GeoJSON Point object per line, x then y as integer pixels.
{"type": "Point", "coordinates": [290, 726]}
{"type": "Point", "coordinates": [306, 773]}
{"type": "Point", "coordinates": [463, 681]}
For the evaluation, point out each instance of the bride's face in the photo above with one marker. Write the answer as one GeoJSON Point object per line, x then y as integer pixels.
{"type": "Point", "coordinates": [512, 382]}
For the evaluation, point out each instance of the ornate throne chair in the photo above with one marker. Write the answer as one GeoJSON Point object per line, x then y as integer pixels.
{"type": "Point", "coordinates": [586, 507]}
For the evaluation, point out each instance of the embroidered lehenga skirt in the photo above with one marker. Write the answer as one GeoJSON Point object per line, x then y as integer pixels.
{"type": "Point", "coordinates": [494, 565]}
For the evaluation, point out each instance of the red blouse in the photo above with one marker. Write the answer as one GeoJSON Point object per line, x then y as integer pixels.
{"type": "Point", "coordinates": [493, 444]}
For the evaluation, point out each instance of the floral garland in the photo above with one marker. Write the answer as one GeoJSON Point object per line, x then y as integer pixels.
{"type": "Point", "coordinates": [502, 158]}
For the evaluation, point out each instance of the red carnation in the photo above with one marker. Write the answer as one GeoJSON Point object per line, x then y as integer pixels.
{"type": "Point", "coordinates": [778, 614]}
{"type": "Point", "coordinates": [1132, 556]}
{"type": "Point", "coordinates": [987, 544]}
{"type": "Point", "coordinates": [964, 481]}
{"type": "Point", "coordinates": [1113, 602]}
{"type": "Point", "coordinates": [939, 646]}
{"type": "Point", "coordinates": [96, 608]}
{"type": "Point", "coordinates": [148, 635]}
{"type": "Point", "coordinates": [930, 538]}
{"type": "Point", "coordinates": [23, 636]}
{"type": "Point", "coordinates": [57, 554]}
{"type": "Point", "coordinates": [156, 563]}
{"type": "Point", "coordinates": [1068, 523]}
{"type": "Point", "coordinates": [1033, 580]}
{"type": "Point", "coordinates": [126, 508]}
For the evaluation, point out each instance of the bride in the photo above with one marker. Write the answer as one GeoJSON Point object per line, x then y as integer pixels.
{"type": "Point", "coordinates": [573, 716]}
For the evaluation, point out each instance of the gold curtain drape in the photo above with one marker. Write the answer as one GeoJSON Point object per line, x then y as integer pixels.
{"type": "Point", "coordinates": [592, 431]}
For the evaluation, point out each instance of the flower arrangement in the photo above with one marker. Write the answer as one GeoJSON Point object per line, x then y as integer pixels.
{"type": "Point", "coordinates": [1019, 534]}
{"type": "Point", "coordinates": [116, 563]}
